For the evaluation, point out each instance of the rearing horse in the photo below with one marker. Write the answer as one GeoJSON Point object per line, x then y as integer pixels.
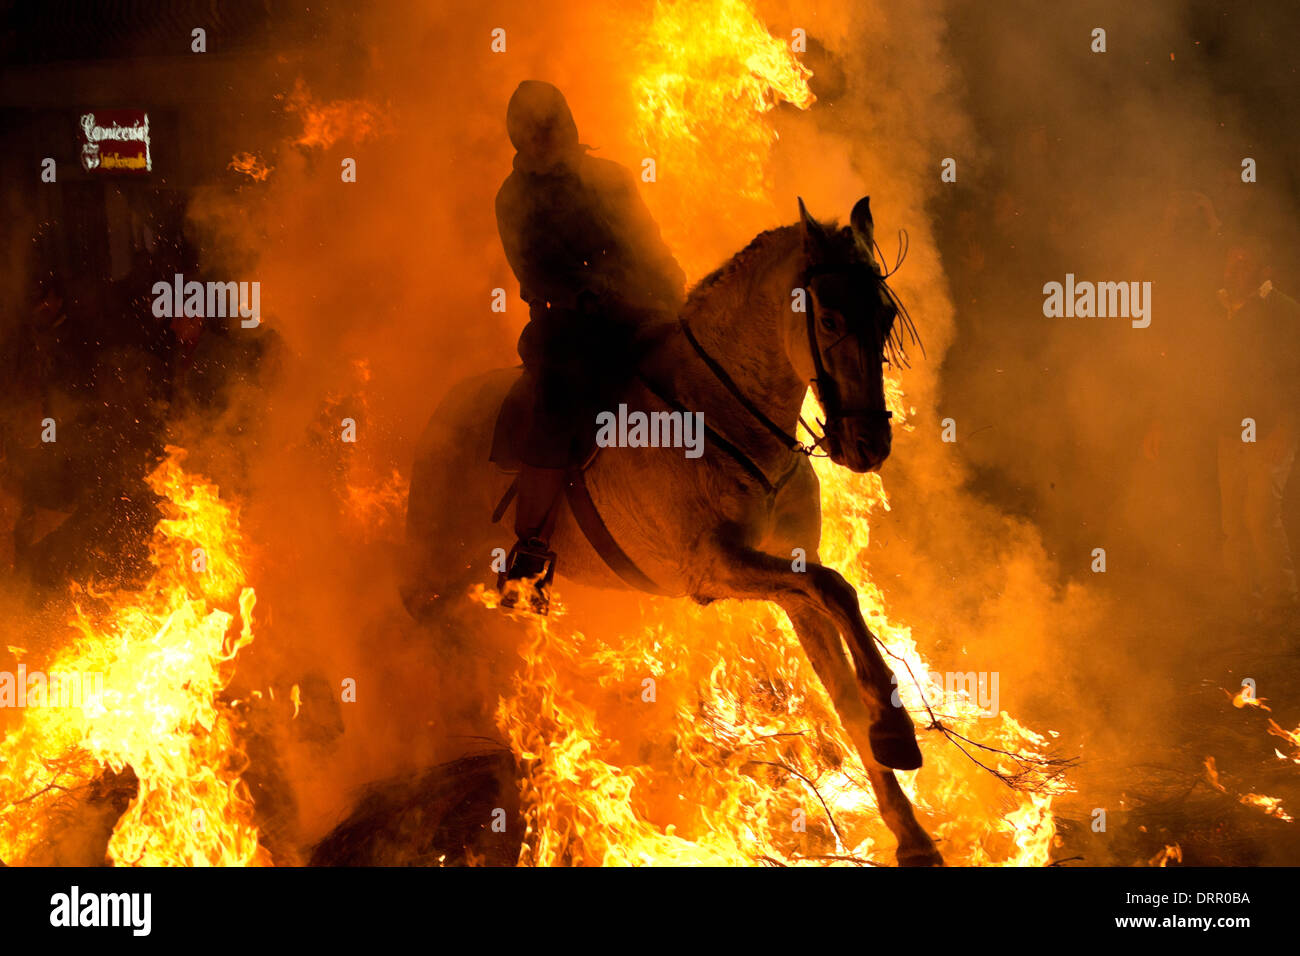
{"type": "Point", "coordinates": [723, 525]}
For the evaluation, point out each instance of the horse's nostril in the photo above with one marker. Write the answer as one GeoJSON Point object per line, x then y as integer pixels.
{"type": "Point", "coordinates": [873, 451]}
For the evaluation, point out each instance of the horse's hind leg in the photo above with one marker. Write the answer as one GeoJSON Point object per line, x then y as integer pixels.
{"type": "Point", "coordinates": [822, 645]}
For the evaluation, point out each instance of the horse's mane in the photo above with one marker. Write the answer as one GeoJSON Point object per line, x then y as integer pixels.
{"type": "Point", "coordinates": [844, 250]}
{"type": "Point", "coordinates": [740, 262]}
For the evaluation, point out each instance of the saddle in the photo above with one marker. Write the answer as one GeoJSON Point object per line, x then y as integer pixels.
{"type": "Point", "coordinates": [512, 418]}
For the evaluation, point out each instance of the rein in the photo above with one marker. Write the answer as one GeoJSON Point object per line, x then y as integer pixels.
{"type": "Point", "coordinates": [731, 450]}
{"type": "Point", "coordinates": [720, 373]}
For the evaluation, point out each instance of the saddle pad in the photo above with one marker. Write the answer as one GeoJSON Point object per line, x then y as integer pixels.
{"type": "Point", "coordinates": [512, 418]}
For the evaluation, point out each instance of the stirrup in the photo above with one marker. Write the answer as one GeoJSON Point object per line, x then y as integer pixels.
{"type": "Point", "coordinates": [531, 567]}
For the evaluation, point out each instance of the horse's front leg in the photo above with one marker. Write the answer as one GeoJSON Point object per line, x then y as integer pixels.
{"type": "Point", "coordinates": [743, 572]}
{"type": "Point", "coordinates": [822, 645]}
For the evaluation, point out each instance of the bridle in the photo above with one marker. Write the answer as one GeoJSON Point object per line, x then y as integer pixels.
{"type": "Point", "coordinates": [824, 385]}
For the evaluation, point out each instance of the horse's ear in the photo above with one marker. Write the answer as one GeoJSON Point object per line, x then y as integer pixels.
{"type": "Point", "coordinates": [864, 227]}
{"type": "Point", "coordinates": [813, 234]}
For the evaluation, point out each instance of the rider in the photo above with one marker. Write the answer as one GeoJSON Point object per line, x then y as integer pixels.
{"type": "Point", "coordinates": [593, 269]}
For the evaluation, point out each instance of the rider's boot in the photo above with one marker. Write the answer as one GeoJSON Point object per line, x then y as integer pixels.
{"type": "Point", "coordinates": [531, 564]}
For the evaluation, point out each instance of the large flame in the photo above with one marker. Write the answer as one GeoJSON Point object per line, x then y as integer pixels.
{"type": "Point", "coordinates": [324, 123]}
{"type": "Point", "coordinates": [708, 73]}
{"type": "Point", "coordinates": [165, 654]}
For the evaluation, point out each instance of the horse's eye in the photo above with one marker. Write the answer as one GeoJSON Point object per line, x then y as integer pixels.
{"type": "Point", "coordinates": [828, 323]}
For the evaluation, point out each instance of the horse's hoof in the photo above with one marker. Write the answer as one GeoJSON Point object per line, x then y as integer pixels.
{"type": "Point", "coordinates": [895, 746]}
{"type": "Point", "coordinates": [919, 856]}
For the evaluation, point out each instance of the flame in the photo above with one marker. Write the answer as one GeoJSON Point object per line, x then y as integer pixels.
{"type": "Point", "coordinates": [1272, 806]}
{"type": "Point", "coordinates": [1170, 854]}
{"type": "Point", "coordinates": [1290, 736]}
{"type": "Point", "coordinates": [325, 123]}
{"type": "Point", "coordinates": [251, 166]}
{"type": "Point", "coordinates": [949, 783]}
{"type": "Point", "coordinates": [1212, 774]}
{"type": "Point", "coordinates": [749, 764]}
{"type": "Point", "coordinates": [166, 652]}
{"type": "Point", "coordinates": [709, 71]}
{"type": "Point", "coordinates": [680, 735]}
{"type": "Point", "coordinates": [1246, 698]}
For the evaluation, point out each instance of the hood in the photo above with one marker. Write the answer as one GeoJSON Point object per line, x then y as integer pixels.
{"type": "Point", "coordinates": [541, 126]}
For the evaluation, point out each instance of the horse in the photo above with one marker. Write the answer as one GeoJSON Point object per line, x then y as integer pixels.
{"type": "Point", "coordinates": [802, 303]}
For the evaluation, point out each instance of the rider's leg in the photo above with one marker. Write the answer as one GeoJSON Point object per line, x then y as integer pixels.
{"type": "Point", "coordinates": [538, 503]}
{"type": "Point", "coordinates": [561, 432]}
{"type": "Point", "coordinates": [544, 450]}
{"type": "Point", "coordinates": [531, 559]}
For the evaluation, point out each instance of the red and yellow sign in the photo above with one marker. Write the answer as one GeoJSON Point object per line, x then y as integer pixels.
{"type": "Point", "coordinates": [115, 141]}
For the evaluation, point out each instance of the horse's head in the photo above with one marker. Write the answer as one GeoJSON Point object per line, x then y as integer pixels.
{"type": "Point", "coordinates": [850, 334]}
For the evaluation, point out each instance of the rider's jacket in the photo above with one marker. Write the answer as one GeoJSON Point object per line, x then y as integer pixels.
{"type": "Point", "coordinates": [579, 239]}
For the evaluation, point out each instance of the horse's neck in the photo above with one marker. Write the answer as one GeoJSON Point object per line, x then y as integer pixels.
{"type": "Point", "coordinates": [741, 324]}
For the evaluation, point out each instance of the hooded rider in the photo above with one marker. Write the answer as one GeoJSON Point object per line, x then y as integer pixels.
{"type": "Point", "coordinates": [593, 269]}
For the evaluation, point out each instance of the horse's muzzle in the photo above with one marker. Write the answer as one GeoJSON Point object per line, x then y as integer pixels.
{"type": "Point", "coordinates": [859, 444]}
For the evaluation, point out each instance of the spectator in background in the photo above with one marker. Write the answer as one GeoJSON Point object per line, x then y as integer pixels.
{"type": "Point", "coordinates": [27, 365]}
{"type": "Point", "coordinates": [1261, 382]}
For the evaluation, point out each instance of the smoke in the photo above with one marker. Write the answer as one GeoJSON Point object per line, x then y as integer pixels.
{"type": "Point", "coordinates": [1071, 434]}
{"type": "Point", "coordinates": [377, 298]}
{"type": "Point", "coordinates": [1083, 434]}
